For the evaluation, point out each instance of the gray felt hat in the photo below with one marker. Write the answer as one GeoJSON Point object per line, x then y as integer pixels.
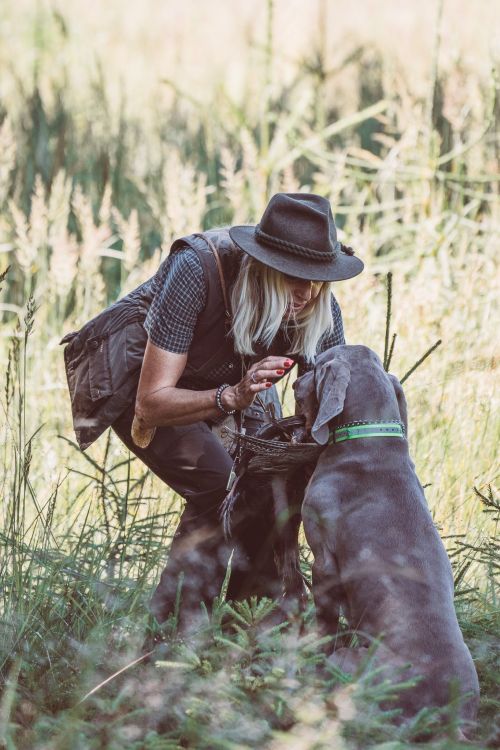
{"type": "Point", "coordinates": [297, 236]}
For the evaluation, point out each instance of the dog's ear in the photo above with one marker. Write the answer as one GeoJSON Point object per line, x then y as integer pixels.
{"type": "Point", "coordinates": [403, 408]}
{"type": "Point", "coordinates": [332, 380]}
{"type": "Point", "coordinates": [305, 396]}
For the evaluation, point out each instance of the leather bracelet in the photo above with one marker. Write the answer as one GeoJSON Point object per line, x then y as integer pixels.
{"type": "Point", "coordinates": [218, 399]}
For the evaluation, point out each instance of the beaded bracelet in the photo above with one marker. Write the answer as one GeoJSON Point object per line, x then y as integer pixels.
{"type": "Point", "coordinates": [218, 399]}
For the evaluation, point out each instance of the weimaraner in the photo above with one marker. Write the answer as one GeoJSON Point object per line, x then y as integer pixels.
{"type": "Point", "coordinates": [377, 554]}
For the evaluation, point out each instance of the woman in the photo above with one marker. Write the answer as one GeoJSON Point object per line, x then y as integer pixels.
{"type": "Point", "coordinates": [229, 313]}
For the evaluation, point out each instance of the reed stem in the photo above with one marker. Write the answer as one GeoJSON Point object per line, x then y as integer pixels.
{"type": "Point", "coordinates": [388, 321]}
{"type": "Point", "coordinates": [419, 362]}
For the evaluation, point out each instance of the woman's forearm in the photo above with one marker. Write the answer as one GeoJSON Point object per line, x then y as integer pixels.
{"type": "Point", "coordinates": [179, 406]}
{"type": "Point", "coordinates": [164, 405]}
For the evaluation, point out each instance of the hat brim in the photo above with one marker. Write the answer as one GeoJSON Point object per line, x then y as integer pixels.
{"type": "Point", "coordinates": [342, 267]}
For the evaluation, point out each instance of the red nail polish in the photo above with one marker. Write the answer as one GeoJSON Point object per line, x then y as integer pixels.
{"type": "Point", "coordinates": [280, 372]}
{"type": "Point", "coordinates": [289, 363]}
{"type": "Point", "coordinates": [268, 385]}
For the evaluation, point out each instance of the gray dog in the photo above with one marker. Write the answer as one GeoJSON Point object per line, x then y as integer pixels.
{"type": "Point", "coordinates": [378, 556]}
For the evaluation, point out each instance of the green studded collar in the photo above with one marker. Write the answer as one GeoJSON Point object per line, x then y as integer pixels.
{"type": "Point", "coordinates": [355, 430]}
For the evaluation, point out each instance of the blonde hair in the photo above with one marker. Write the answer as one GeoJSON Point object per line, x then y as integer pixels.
{"type": "Point", "coordinates": [260, 299]}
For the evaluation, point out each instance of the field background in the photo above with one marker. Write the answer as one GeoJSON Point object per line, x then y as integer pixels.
{"type": "Point", "coordinates": [125, 125]}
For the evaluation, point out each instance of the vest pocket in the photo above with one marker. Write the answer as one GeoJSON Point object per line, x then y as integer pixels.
{"type": "Point", "coordinates": [100, 381]}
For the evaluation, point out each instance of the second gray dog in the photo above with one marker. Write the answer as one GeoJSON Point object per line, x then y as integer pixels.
{"type": "Point", "coordinates": [378, 555]}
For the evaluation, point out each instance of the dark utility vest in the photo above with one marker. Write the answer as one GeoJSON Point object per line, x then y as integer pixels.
{"type": "Point", "coordinates": [103, 359]}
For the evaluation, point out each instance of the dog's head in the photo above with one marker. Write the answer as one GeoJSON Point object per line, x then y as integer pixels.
{"type": "Point", "coordinates": [320, 394]}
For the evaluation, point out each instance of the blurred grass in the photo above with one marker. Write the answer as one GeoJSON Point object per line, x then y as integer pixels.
{"type": "Point", "coordinates": [118, 134]}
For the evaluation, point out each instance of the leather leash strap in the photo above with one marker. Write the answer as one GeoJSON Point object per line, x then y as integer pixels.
{"type": "Point", "coordinates": [221, 273]}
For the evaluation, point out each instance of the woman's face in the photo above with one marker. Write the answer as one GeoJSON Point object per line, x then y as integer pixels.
{"type": "Point", "coordinates": [303, 292]}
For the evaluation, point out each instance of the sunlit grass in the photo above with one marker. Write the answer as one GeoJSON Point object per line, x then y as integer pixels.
{"type": "Point", "coordinates": [96, 179]}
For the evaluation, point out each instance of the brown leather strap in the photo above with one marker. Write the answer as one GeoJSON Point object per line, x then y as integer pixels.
{"type": "Point", "coordinates": [221, 273]}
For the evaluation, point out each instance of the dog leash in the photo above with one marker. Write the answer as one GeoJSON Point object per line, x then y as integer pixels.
{"type": "Point", "coordinates": [356, 430]}
{"type": "Point", "coordinates": [227, 306]}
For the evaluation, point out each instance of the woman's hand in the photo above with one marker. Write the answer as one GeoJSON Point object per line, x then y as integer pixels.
{"type": "Point", "coordinates": [258, 378]}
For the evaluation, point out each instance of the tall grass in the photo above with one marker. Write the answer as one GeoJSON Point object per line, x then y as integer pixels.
{"type": "Point", "coordinates": [93, 188]}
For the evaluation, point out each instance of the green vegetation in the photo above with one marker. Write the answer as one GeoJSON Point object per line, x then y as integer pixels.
{"type": "Point", "coordinates": [96, 179]}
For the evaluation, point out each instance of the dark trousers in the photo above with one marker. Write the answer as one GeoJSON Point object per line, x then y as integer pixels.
{"type": "Point", "coordinates": [192, 461]}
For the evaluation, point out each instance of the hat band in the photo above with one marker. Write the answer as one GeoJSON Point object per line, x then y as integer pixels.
{"type": "Point", "coordinates": [305, 252]}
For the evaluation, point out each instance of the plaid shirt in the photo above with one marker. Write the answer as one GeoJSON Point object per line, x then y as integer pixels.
{"type": "Point", "coordinates": [180, 296]}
